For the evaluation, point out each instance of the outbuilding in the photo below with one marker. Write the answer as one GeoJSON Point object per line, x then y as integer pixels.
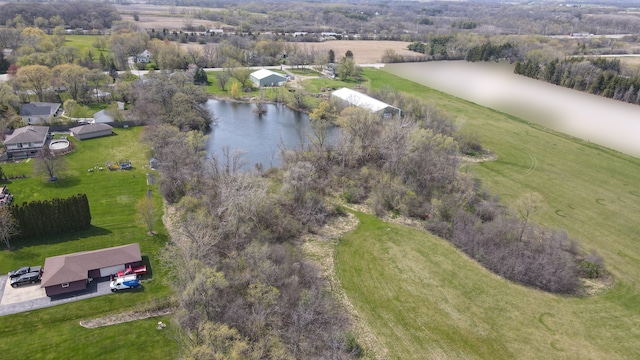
{"type": "Point", "coordinates": [90, 131]}
{"type": "Point", "coordinates": [72, 272]}
{"type": "Point", "coordinates": [356, 98]}
{"type": "Point", "coordinates": [264, 77]}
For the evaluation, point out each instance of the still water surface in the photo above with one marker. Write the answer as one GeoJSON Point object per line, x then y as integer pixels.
{"type": "Point", "coordinates": [259, 136]}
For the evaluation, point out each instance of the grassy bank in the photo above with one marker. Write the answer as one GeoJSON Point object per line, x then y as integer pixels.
{"type": "Point", "coordinates": [54, 332]}
{"type": "Point", "coordinates": [425, 299]}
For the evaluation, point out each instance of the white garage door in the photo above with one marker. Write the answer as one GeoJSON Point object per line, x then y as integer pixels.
{"type": "Point", "coordinates": [111, 270]}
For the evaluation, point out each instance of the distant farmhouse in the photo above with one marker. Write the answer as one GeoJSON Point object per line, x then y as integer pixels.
{"type": "Point", "coordinates": [90, 131]}
{"type": "Point", "coordinates": [39, 112]}
{"type": "Point", "coordinates": [264, 77]}
{"type": "Point", "coordinates": [25, 142]}
{"type": "Point", "coordinates": [143, 57]}
{"type": "Point", "coordinates": [355, 98]}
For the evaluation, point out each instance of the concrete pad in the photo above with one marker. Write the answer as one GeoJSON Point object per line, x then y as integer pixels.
{"type": "Point", "coordinates": [22, 293]}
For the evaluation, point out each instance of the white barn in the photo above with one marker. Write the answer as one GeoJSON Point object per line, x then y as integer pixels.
{"type": "Point", "coordinates": [356, 98]}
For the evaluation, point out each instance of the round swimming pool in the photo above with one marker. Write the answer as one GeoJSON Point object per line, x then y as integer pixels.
{"type": "Point", "coordinates": [59, 144]}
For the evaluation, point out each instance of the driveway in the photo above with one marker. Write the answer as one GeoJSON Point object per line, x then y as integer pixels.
{"type": "Point", "coordinates": [32, 297]}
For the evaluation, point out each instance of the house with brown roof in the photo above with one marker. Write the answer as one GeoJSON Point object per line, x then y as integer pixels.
{"type": "Point", "coordinates": [72, 272]}
{"type": "Point", "coordinates": [25, 142]}
{"type": "Point", "coordinates": [90, 131]}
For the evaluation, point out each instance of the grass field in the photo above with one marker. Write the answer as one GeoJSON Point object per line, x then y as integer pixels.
{"type": "Point", "coordinates": [425, 299]}
{"type": "Point", "coordinates": [83, 42]}
{"type": "Point", "coordinates": [54, 333]}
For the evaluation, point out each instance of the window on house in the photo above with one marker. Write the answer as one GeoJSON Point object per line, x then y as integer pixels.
{"type": "Point", "coordinates": [19, 145]}
{"type": "Point", "coordinates": [65, 285]}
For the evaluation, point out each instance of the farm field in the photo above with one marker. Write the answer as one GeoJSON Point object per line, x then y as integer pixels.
{"type": "Point", "coordinates": [604, 121]}
{"type": "Point", "coordinates": [423, 298]}
{"type": "Point", "coordinates": [55, 332]}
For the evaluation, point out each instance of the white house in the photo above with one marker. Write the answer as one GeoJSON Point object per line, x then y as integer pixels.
{"type": "Point", "coordinates": [26, 141]}
{"type": "Point", "coordinates": [264, 77]}
{"type": "Point", "coordinates": [143, 57]}
{"type": "Point", "coordinates": [39, 112]}
{"type": "Point", "coordinates": [356, 98]}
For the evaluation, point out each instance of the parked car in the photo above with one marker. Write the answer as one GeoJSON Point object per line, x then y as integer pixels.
{"type": "Point", "coordinates": [28, 278]}
{"type": "Point", "coordinates": [138, 270]}
{"type": "Point", "coordinates": [24, 270]}
{"type": "Point", "coordinates": [124, 282]}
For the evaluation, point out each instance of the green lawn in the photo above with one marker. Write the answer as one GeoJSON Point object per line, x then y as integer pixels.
{"type": "Point", "coordinates": [54, 332]}
{"type": "Point", "coordinates": [83, 42]}
{"type": "Point", "coordinates": [425, 299]}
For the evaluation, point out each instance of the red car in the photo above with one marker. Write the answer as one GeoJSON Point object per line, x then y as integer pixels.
{"type": "Point", "coordinates": [138, 270]}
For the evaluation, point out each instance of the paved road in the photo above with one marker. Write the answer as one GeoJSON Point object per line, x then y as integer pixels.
{"type": "Point", "coordinates": [97, 287]}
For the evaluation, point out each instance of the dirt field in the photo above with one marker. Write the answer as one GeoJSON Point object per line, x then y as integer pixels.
{"type": "Point", "coordinates": [364, 52]}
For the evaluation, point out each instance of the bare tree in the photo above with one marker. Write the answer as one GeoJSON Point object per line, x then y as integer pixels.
{"type": "Point", "coordinates": [48, 163]}
{"type": "Point", "coordinates": [146, 214]}
{"type": "Point", "coordinates": [526, 206]}
{"type": "Point", "coordinates": [8, 226]}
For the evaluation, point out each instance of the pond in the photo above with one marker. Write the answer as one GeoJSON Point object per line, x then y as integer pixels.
{"type": "Point", "coordinates": [260, 136]}
{"type": "Point", "coordinates": [607, 122]}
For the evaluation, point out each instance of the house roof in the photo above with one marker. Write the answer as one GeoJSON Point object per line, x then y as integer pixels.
{"type": "Point", "coordinates": [263, 73]}
{"type": "Point", "coordinates": [102, 117]}
{"type": "Point", "coordinates": [74, 267]}
{"type": "Point", "coordinates": [359, 99]}
{"type": "Point", "coordinates": [27, 134]}
{"type": "Point", "coordinates": [90, 128]}
{"type": "Point", "coordinates": [39, 109]}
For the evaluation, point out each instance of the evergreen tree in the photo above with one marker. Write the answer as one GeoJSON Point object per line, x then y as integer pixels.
{"type": "Point", "coordinates": [4, 64]}
{"type": "Point", "coordinates": [332, 57]}
{"type": "Point", "coordinates": [200, 77]}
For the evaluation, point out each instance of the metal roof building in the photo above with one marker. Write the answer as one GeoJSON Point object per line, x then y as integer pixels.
{"type": "Point", "coordinates": [264, 77]}
{"type": "Point", "coordinates": [356, 98]}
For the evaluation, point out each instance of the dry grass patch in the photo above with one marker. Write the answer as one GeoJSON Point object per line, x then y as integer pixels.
{"type": "Point", "coordinates": [364, 51]}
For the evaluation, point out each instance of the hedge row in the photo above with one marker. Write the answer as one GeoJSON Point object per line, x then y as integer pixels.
{"type": "Point", "coordinates": [52, 217]}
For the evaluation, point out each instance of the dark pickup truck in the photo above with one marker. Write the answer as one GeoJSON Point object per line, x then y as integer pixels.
{"type": "Point", "coordinates": [24, 270]}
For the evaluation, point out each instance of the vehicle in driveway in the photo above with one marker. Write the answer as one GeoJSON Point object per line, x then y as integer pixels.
{"type": "Point", "coordinates": [28, 278]}
{"type": "Point", "coordinates": [138, 270]}
{"type": "Point", "coordinates": [24, 270]}
{"type": "Point", "coordinates": [124, 282]}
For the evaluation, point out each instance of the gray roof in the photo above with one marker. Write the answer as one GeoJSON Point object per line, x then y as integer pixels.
{"type": "Point", "coordinates": [39, 109]}
{"type": "Point", "coordinates": [102, 117]}
{"type": "Point", "coordinates": [90, 128]}
{"type": "Point", "coordinates": [27, 134]}
{"type": "Point", "coordinates": [74, 267]}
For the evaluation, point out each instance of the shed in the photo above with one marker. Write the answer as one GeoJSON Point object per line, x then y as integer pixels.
{"type": "Point", "coordinates": [102, 116]}
{"type": "Point", "coordinates": [90, 131]}
{"type": "Point", "coordinates": [356, 98]}
{"type": "Point", "coordinates": [71, 272]}
{"type": "Point", "coordinates": [264, 77]}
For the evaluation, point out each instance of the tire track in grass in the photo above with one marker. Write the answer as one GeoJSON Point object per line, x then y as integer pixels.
{"type": "Point", "coordinates": [532, 166]}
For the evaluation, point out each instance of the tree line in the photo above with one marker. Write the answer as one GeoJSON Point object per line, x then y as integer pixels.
{"type": "Point", "coordinates": [598, 76]}
{"type": "Point", "coordinates": [51, 217]}
{"type": "Point", "coordinates": [87, 15]}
